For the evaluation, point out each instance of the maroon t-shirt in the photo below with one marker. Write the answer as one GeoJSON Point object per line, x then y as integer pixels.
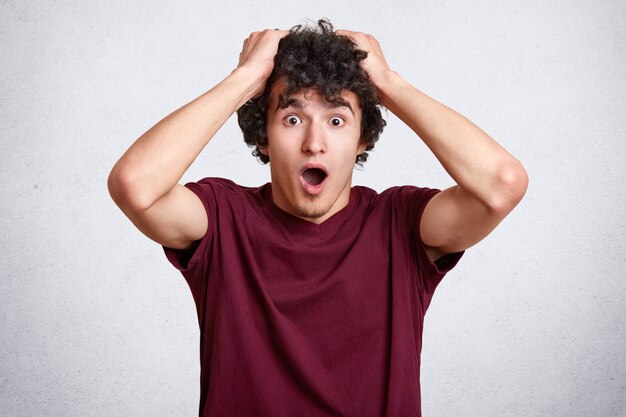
{"type": "Point", "coordinates": [301, 319]}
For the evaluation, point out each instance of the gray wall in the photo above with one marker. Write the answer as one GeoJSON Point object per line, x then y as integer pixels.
{"type": "Point", "coordinates": [95, 322]}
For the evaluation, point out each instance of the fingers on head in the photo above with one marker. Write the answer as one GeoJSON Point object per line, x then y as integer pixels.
{"type": "Point", "coordinates": [358, 38]}
{"type": "Point", "coordinates": [254, 37]}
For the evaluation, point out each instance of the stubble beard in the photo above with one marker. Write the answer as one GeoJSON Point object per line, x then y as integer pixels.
{"type": "Point", "coordinates": [310, 212]}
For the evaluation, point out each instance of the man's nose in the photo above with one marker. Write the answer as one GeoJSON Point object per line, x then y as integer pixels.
{"type": "Point", "coordinates": [315, 141]}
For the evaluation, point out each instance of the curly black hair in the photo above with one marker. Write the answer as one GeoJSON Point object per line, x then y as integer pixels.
{"type": "Point", "coordinates": [315, 59]}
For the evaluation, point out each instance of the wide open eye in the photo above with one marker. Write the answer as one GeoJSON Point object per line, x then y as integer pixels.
{"type": "Point", "coordinates": [292, 120]}
{"type": "Point", "coordinates": [337, 121]}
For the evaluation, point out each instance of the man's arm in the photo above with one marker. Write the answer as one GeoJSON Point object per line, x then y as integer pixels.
{"type": "Point", "coordinates": [144, 182]}
{"type": "Point", "coordinates": [490, 181]}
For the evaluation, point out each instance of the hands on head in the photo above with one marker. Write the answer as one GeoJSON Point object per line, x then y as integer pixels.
{"type": "Point", "coordinates": [259, 49]}
{"type": "Point", "coordinates": [258, 53]}
{"type": "Point", "coordinates": [375, 64]}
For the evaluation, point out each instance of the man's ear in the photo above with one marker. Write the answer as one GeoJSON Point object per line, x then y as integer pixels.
{"type": "Point", "coordinates": [361, 148]}
{"type": "Point", "coordinates": [263, 150]}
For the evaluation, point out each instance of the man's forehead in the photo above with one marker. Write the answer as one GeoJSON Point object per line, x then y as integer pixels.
{"type": "Point", "coordinates": [298, 99]}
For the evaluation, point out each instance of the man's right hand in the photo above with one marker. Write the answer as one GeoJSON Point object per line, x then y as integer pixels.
{"type": "Point", "coordinates": [144, 182]}
{"type": "Point", "coordinates": [257, 54]}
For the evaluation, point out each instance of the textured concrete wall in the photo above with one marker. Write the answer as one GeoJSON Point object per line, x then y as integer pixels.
{"type": "Point", "coordinates": [94, 321]}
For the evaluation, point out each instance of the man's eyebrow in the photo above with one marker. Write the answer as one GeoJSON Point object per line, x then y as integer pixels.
{"type": "Point", "coordinates": [339, 102]}
{"type": "Point", "coordinates": [284, 102]}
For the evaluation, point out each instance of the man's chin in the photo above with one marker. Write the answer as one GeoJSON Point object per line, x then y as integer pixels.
{"type": "Point", "coordinates": [310, 213]}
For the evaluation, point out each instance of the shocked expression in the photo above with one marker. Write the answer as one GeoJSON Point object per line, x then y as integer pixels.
{"type": "Point", "coordinates": [312, 145]}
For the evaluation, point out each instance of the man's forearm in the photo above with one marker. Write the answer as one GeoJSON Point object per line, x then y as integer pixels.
{"type": "Point", "coordinates": [473, 159]}
{"type": "Point", "coordinates": [153, 165]}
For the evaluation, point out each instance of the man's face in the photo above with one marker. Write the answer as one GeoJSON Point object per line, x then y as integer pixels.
{"type": "Point", "coordinates": [312, 145]}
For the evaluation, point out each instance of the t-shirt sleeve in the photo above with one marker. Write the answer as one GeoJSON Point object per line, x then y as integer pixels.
{"type": "Point", "coordinates": [192, 263]}
{"type": "Point", "coordinates": [431, 273]}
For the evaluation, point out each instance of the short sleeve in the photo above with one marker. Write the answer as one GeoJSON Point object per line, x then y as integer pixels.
{"type": "Point", "coordinates": [191, 263]}
{"type": "Point", "coordinates": [431, 273]}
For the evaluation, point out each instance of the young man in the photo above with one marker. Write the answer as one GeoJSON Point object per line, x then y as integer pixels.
{"type": "Point", "coordinates": [311, 293]}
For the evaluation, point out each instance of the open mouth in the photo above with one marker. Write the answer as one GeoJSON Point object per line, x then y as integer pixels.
{"type": "Point", "coordinates": [314, 176]}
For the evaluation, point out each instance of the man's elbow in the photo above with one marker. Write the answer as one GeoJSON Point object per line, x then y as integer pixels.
{"type": "Point", "coordinates": [123, 191]}
{"type": "Point", "coordinates": [510, 187]}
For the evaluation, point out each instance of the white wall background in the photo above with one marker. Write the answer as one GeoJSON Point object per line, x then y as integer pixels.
{"type": "Point", "coordinates": [95, 322]}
